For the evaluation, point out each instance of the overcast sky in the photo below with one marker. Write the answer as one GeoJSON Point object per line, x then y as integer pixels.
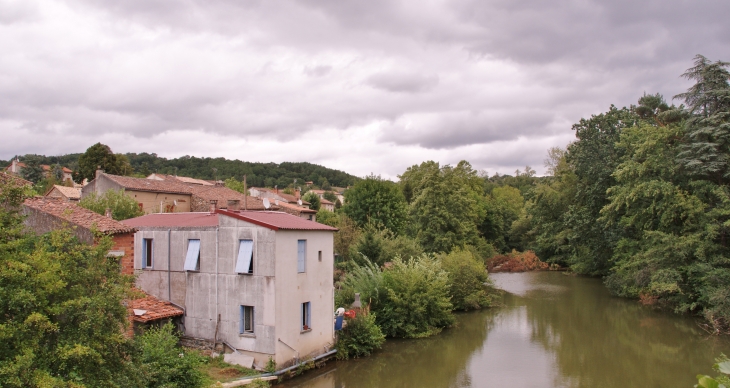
{"type": "Point", "coordinates": [360, 86]}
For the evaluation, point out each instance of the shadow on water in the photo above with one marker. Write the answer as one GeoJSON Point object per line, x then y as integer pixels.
{"type": "Point", "coordinates": [553, 331]}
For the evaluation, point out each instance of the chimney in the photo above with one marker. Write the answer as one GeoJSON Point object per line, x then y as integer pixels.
{"type": "Point", "coordinates": [99, 171]}
{"type": "Point", "coordinates": [108, 213]}
{"type": "Point", "coordinates": [234, 205]}
{"type": "Point", "coordinates": [299, 193]}
{"type": "Point", "coordinates": [276, 189]}
{"type": "Point", "coordinates": [213, 206]}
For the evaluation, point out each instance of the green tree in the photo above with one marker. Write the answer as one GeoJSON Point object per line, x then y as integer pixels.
{"type": "Point", "coordinates": [122, 206]}
{"type": "Point", "coordinates": [377, 201]}
{"type": "Point", "coordinates": [707, 152]}
{"type": "Point", "coordinates": [61, 312]}
{"type": "Point", "coordinates": [32, 171]}
{"type": "Point", "coordinates": [330, 196]}
{"type": "Point", "coordinates": [370, 246]}
{"type": "Point", "coordinates": [101, 156]}
{"type": "Point", "coordinates": [314, 201]}
{"type": "Point", "coordinates": [447, 207]}
{"type": "Point", "coordinates": [467, 277]}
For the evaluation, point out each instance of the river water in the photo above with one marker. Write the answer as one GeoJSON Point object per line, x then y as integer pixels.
{"type": "Point", "coordinates": [554, 330]}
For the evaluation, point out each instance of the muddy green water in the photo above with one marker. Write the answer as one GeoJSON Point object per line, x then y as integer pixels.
{"type": "Point", "coordinates": [554, 330]}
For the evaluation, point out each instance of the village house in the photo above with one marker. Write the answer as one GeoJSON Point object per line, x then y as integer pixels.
{"type": "Point", "coordinates": [170, 195]}
{"type": "Point", "coordinates": [45, 214]}
{"type": "Point", "coordinates": [17, 166]}
{"type": "Point", "coordinates": [292, 204]}
{"type": "Point", "coordinates": [258, 281]}
{"type": "Point", "coordinates": [69, 194]}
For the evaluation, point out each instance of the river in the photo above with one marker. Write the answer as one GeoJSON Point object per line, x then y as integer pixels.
{"type": "Point", "coordinates": [554, 330]}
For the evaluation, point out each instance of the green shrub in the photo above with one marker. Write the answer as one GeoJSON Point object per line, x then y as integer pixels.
{"type": "Point", "coordinates": [414, 302]}
{"type": "Point", "coordinates": [163, 363]}
{"type": "Point", "coordinates": [466, 280]}
{"type": "Point", "coordinates": [270, 366]}
{"type": "Point", "coordinates": [359, 337]}
{"type": "Point", "coordinates": [366, 279]}
{"type": "Point", "coordinates": [123, 207]}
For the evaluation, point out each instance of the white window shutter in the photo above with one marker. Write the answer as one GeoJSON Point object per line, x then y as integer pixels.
{"type": "Point", "coordinates": [301, 255]}
{"type": "Point", "coordinates": [245, 254]}
{"type": "Point", "coordinates": [191, 260]}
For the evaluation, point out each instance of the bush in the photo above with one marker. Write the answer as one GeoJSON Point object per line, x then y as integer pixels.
{"type": "Point", "coordinates": [359, 337]}
{"type": "Point", "coordinates": [367, 279]}
{"type": "Point", "coordinates": [466, 280]}
{"type": "Point", "coordinates": [416, 302]}
{"type": "Point", "coordinates": [123, 207]}
{"type": "Point", "coordinates": [722, 366]}
{"type": "Point", "coordinates": [163, 363]}
{"type": "Point", "coordinates": [516, 262]}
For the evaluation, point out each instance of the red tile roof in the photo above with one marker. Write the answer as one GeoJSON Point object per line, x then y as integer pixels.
{"type": "Point", "coordinates": [277, 220]}
{"type": "Point", "coordinates": [77, 215]}
{"type": "Point", "coordinates": [68, 192]}
{"type": "Point", "coordinates": [296, 208]}
{"type": "Point", "coordinates": [142, 184]}
{"type": "Point", "coordinates": [6, 178]}
{"type": "Point", "coordinates": [173, 220]}
{"type": "Point", "coordinates": [152, 309]}
{"type": "Point", "coordinates": [46, 167]}
{"type": "Point", "coordinates": [222, 194]}
{"type": "Point", "coordinates": [269, 219]}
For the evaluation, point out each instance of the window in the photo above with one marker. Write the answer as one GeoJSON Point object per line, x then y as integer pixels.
{"type": "Point", "coordinates": [246, 322]}
{"type": "Point", "coordinates": [192, 259]}
{"type": "Point", "coordinates": [301, 256]}
{"type": "Point", "coordinates": [244, 264]}
{"type": "Point", "coordinates": [147, 256]}
{"type": "Point", "coordinates": [306, 315]}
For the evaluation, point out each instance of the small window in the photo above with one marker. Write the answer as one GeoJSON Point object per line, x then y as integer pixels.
{"type": "Point", "coordinates": [306, 315]}
{"type": "Point", "coordinates": [301, 256]}
{"type": "Point", "coordinates": [244, 263]}
{"type": "Point", "coordinates": [319, 255]}
{"type": "Point", "coordinates": [147, 253]}
{"type": "Point", "coordinates": [246, 322]}
{"type": "Point", "coordinates": [192, 259]}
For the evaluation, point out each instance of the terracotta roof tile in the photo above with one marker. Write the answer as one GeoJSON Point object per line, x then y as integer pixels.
{"type": "Point", "coordinates": [77, 215]}
{"type": "Point", "coordinates": [68, 192]}
{"type": "Point", "coordinates": [14, 179]}
{"type": "Point", "coordinates": [152, 309]}
{"type": "Point", "coordinates": [143, 184]}
{"type": "Point", "coordinates": [222, 194]}
{"type": "Point", "coordinates": [269, 219]}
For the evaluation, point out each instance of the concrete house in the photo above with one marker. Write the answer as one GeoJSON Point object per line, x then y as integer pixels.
{"type": "Point", "coordinates": [258, 281]}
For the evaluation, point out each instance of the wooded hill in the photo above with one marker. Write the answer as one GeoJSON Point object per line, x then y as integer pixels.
{"type": "Point", "coordinates": [258, 174]}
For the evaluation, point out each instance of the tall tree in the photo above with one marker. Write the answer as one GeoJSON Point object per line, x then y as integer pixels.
{"type": "Point", "coordinates": [32, 171]}
{"type": "Point", "coordinates": [100, 156]}
{"type": "Point", "coordinates": [314, 201]}
{"type": "Point", "coordinates": [377, 201]}
{"type": "Point", "coordinates": [707, 153]}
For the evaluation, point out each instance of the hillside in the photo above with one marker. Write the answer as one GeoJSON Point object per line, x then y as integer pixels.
{"type": "Point", "coordinates": [258, 174]}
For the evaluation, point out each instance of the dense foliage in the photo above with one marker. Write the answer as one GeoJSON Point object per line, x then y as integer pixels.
{"type": "Point", "coordinates": [163, 363]}
{"type": "Point", "coordinates": [360, 337]}
{"type": "Point", "coordinates": [100, 156]}
{"type": "Point", "coordinates": [122, 206]}
{"type": "Point", "coordinates": [722, 381]}
{"type": "Point", "coordinates": [378, 202]}
{"type": "Point", "coordinates": [467, 279]}
{"type": "Point", "coordinates": [314, 201]}
{"type": "Point", "coordinates": [642, 198]}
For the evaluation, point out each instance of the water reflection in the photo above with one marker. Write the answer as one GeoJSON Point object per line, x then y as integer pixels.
{"type": "Point", "coordinates": [554, 331]}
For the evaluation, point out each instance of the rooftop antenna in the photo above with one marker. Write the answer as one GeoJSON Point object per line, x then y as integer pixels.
{"type": "Point", "coordinates": [267, 204]}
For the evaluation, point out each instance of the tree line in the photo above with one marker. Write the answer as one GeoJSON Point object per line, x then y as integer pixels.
{"type": "Point", "coordinates": [286, 174]}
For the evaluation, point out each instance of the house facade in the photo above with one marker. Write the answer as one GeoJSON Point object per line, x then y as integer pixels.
{"type": "Point", "coordinates": [259, 280]}
{"type": "Point", "coordinates": [71, 194]}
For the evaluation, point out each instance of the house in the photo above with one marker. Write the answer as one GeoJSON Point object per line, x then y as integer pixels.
{"type": "Point", "coordinates": [326, 205]}
{"type": "Point", "coordinates": [292, 204]}
{"type": "Point", "coordinates": [258, 281]}
{"type": "Point", "coordinates": [169, 195]}
{"type": "Point", "coordinates": [44, 214]}
{"type": "Point", "coordinates": [17, 166]}
{"type": "Point", "coordinates": [70, 194]}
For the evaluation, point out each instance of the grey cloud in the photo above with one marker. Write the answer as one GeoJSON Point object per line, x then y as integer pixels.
{"type": "Point", "coordinates": [453, 129]}
{"type": "Point", "coordinates": [317, 71]}
{"type": "Point", "coordinates": [12, 12]}
{"type": "Point", "coordinates": [402, 82]}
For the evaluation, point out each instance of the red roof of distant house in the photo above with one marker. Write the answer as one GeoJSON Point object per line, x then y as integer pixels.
{"type": "Point", "coordinates": [152, 309]}
{"type": "Point", "coordinates": [46, 167]}
{"type": "Point", "coordinates": [77, 215]}
{"type": "Point", "coordinates": [269, 219]}
{"type": "Point", "coordinates": [295, 207]}
{"type": "Point", "coordinates": [13, 179]}
{"type": "Point", "coordinates": [142, 184]}
{"type": "Point", "coordinates": [68, 192]}
{"type": "Point", "coordinates": [222, 194]}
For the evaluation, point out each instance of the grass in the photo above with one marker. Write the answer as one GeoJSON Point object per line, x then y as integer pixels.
{"type": "Point", "coordinates": [218, 370]}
